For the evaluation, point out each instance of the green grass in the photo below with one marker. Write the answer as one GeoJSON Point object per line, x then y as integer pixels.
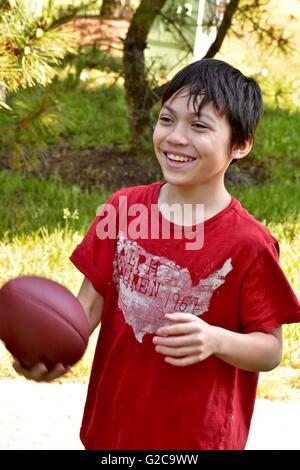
{"type": "Point", "coordinates": [100, 117]}
{"type": "Point", "coordinates": [86, 116]}
{"type": "Point", "coordinates": [277, 201]}
{"type": "Point", "coordinates": [31, 206]}
{"type": "Point", "coordinates": [278, 137]}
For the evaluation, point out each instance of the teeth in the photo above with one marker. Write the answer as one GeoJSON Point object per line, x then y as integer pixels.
{"type": "Point", "coordinates": [179, 158]}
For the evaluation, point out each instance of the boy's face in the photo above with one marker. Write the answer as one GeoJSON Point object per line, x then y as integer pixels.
{"type": "Point", "coordinates": [192, 150]}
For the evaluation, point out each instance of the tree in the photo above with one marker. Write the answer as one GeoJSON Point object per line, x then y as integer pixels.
{"type": "Point", "coordinates": [140, 96]}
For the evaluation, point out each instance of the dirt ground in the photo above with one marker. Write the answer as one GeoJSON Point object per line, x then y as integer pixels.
{"type": "Point", "coordinates": [106, 33]}
{"type": "Point", "coordinates": [111, 168]}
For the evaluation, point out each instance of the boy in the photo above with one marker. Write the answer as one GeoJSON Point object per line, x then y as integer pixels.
{"type": "Point", "coordinates": [185, 328]}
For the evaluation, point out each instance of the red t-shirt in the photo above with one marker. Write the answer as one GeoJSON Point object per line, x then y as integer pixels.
{"type": "Point", "coordinates": [136, 400]}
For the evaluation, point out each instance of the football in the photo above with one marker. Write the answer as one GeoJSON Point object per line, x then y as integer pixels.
{"type": "Point", "coordinates": [42, 321]}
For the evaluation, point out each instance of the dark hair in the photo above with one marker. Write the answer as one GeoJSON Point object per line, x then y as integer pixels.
{"type": "Point", "coordinates": [233, 94]}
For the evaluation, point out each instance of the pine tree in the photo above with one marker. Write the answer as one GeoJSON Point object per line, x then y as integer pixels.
{"type": "Point", "coordinates": [31, 47]}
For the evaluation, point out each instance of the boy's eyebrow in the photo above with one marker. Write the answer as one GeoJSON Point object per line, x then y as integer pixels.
{"type": "Point", "coordinates": [193, 114]}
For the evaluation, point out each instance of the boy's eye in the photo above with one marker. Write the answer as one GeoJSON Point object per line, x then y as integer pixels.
{"type": "Point", "coordinates": [199, 125]}
{"type": "Point", "coordinates": [165, 119]}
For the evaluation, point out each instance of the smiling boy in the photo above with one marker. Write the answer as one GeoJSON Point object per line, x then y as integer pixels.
{"type": "Point", "coordinates": [184, 332]}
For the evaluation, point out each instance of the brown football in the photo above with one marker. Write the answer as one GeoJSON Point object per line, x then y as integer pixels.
{"type": "Point", "coordinates": [42, 321]}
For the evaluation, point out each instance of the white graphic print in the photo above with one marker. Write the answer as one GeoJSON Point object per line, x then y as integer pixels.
{"type": "Point", "coordinates": [151, 286]}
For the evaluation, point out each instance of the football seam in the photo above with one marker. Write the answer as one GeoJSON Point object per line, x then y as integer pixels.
{"type": "Point", "coordinates": [39, 303]}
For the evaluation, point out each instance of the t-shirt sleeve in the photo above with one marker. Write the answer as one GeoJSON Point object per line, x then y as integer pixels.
{"type": "Point", "coordinates": [94, 256]}
{"type": "Point", "coordinates": [267, 299]}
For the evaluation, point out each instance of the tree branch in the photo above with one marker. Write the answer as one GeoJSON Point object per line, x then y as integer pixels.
{"type": "Point", "coordinates": [176, 26]}
{"type": "Point", "coordinates": [225, 25]}
{"type": "Point", "coordinates": [157, 92]}
{"type": "Point", "coordinates": [274, 35]}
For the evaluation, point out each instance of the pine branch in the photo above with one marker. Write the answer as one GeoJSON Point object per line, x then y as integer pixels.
{"type": "Point", "coordinates": [28, 54]}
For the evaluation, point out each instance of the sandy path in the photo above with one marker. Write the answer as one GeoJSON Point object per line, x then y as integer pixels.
{"type": "Point", "coordinates": [47, 416]}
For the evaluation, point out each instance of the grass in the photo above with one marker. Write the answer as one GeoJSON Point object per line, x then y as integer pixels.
{"type": "Point", "coordinates": [277, 137]}
{"type": "Point", "coordinates": [277, 201]}
{"type": "Point", "coordinates": [25, 203]}
{"type": "Point", "coordinates": [83, 116]}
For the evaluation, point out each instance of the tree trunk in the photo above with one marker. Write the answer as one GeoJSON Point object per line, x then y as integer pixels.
{"type": "Point", "coordinates": [138, 94]}
{"type": "Point", "coordinates": [140, 98]}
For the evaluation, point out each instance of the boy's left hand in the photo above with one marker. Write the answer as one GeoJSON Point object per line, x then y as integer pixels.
{"type": "Point", "coordinates": [188, 341]}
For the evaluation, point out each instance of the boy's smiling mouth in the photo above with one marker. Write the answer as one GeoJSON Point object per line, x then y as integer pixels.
{"type": "Point", "coordinates": [178, 160]}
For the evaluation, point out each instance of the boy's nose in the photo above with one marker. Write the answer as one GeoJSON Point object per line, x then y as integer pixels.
{"type": "Point", "coordinates": [177, 136]}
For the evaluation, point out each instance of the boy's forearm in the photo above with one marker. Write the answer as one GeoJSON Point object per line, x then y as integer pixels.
{"type": "Point", "coordinates": [188, 339]}
{"type": "Point", "coordinates": [92, 302]}
{"type": "Point", "coordinates": [252, 351]}
{"type": "Point", "coordinates": [94, 315]}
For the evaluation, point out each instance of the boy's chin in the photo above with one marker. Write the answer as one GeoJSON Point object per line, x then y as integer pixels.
{"type": "Point", "coordinates": [177, 180]}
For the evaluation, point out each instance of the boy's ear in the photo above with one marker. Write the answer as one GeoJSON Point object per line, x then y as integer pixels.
{"type": "Point", "coordinates": [239, 151]}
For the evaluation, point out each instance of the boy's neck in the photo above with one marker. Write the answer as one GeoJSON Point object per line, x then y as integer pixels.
{"type": "Point", "coordinates": [214, 199]}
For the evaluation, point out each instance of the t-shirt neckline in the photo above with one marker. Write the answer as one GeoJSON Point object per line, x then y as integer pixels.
{"type": "Point", "coordinates": [215, 218]}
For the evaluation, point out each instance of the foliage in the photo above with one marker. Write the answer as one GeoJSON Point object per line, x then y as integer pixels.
{"type": "Point", "coordinates": [253, 20]}
{"type": "Point", "coordinates": [30, 51]}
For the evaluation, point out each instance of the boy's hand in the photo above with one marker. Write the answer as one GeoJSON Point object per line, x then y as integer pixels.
{"type": "Point", "coordinates": [39, 372]}
{"type": "Point", "coordinates": [188, 341]}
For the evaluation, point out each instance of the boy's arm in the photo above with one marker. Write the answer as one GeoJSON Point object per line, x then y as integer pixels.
{"type": "Point", "coordinates": [92, 303]}
{"type": "Point", "coordinates": [255, 351]}
{"type": "Point", "coordinates": [189, 340]}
